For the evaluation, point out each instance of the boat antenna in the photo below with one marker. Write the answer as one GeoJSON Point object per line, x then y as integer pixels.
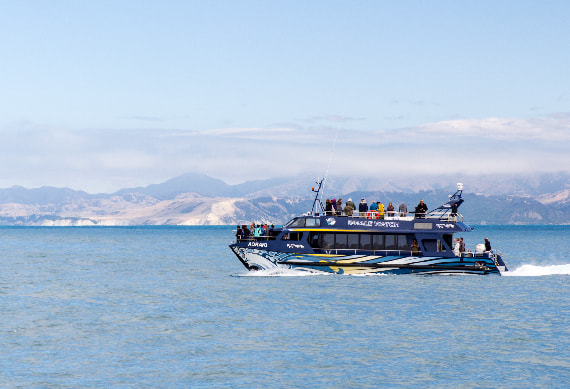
{"type": "Point", "coordinates": [331, 156]}
{"type": "Point", "coordinates": [314, 209]}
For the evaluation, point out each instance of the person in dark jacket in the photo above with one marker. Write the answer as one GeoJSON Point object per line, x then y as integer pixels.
{"type": "Point", "coordinates": [328, 208]}
{"type": "Point", "coordinates": [487, 245]}
{"type": "Point", "coordinates": [421, 209]}
{"type": "Point", "coordinates": [362, 208]}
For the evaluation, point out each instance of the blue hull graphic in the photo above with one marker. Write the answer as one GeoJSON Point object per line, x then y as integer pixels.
{"type": "Point", "coordinates": [256, 259]}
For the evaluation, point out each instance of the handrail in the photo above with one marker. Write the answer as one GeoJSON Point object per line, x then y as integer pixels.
{"type": "Point", "coordinates": [374, 252]}
{"type": "Point", "coordinates": [408, 216]}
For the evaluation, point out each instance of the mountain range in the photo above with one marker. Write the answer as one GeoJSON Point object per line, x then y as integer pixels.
{"type": "Point", "coordinates": [194, 199]}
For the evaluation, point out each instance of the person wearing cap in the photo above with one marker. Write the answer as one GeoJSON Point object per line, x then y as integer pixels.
{"type": "Point", "coordinates": [349, 202]}
{"type": "Point", "coordinates": [362, 208]}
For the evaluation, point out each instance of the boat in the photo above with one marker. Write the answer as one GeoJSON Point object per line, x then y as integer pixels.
{"type": "Point", "coordinates": [365, 243]}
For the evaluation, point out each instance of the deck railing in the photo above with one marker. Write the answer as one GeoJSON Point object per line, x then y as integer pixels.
{"type": "Point", "coordinates": [398, 216]}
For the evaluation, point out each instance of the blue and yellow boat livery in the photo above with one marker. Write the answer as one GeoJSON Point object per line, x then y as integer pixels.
{"type": "Point", "coordinates": [400, 243]}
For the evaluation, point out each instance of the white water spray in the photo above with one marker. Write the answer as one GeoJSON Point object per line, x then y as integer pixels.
{"type": "Point", "coordinates": [537, 271]}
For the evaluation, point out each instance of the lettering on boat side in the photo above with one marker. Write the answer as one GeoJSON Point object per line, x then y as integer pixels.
{"type": "Point", "coordinates": [295, 246]}
{"type": "Point", "coordinates": [372, 223]}
{"type": "Point", "coordinates": [257, 244]}
{"type": "Point", "coordinates": [445, 225]}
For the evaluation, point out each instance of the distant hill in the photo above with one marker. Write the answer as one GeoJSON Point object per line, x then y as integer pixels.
{"type": "Point", "coordinates": [193, 199]}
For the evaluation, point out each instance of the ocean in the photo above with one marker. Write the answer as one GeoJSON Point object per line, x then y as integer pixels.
{"type": "Point", "coordinates": [172, 307]}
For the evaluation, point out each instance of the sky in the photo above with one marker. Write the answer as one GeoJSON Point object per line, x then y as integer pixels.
{"type": "Point", "coordinates": [104, 95]}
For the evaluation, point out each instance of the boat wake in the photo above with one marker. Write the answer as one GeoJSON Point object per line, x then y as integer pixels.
{"type": "Point", "coordinates": [279, 273]}
{"type": "Point", "coordinates": [537, 271]}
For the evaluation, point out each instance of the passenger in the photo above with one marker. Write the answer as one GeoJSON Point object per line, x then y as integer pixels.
{"type": "Point", "coordinates": [348, 209]}
{"type": "Point", "coordinates": [374, 206]}
{"type": "Point", "coordinates": [403, 209]}
{"type": "Point", "coordinates": [239, 233]}
{"type": "Point", "coordinates": [328, 207]}
{"type": "Point", "coordinates": [457, 247]}
{"type": "Point", "coordinates": [333, 206]}
{"type": "Point", "coordinates": [338, 208]}
{"type": "Point", "coordinates": [390, 210]}
{"type": "Point", "coordinates": [487, 245]}
{"type": "Point", "coordinates": [246, 232]}
{"type": "Point", "coordinates": [362, 208]}
{"type": "Point", "coordinates": [461, 245]}
{"type": "Point", "coordinates": [381, 210]}
{"type": "Point", "coordinates": [349, 202]}
{"type": "Point", "coordinates": [421, 210]}
{"type": "Point", "coordinates": [454, 212]}
{"type": "Point", "coordinates": [415, 247]}
{"type": "Point", "coordinates": [257, 231]}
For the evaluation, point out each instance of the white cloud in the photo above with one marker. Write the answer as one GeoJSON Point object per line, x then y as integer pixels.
{"type": "Point", "coordinates": [554, 127]}
{"type": "Point", "coordinates": [108, 160]}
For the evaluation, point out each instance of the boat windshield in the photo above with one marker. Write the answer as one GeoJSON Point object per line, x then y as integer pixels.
{"type": "Point", "coordinates": [304, 222]}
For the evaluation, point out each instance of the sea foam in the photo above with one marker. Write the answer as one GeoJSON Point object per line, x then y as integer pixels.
{"type": "Point", "coordinates": [536, 271]}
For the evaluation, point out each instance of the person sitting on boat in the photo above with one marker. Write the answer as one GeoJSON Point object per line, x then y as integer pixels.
{"type": "Point", "coordinates": [421, 209]}
{"type": "Point", "coordinates": [390, 210]}
{"type": "Point", "coordinates": [487, 245]}
{"type": "Point", "coordinates": [381, 210]}
{"type": "Point", "coordinates": [362, 208]}
{"type": "Point", "coordinates": [403, 209]}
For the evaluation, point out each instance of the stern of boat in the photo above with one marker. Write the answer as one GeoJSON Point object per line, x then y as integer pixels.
{"type": "Point", "coordinates": [499, 263]}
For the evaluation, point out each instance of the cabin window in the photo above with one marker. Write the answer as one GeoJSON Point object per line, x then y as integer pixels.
{"type": "Point", "coordinates": [378, 242]}
{"type": "Point", "coordinates": [314, 239]}
{"type": "Point", "coordinates": [312, 222]}
{"type": "Point", "coordinates": [341, 241]}
{"type": "Point", "coordinates": [353, 241]}
{"type": "Point", "coordinates": [292, 236]}
{"type": "Point", "coordinates": [391, 242]}
{"type": "Point", "coordinates": [327, 241]}
{"type": "Point", "coordinates": [366, 242]}
{"type": "Point", "coordinates": [300, 222]}
{"type": "Point", "coordinates": [403, 243]}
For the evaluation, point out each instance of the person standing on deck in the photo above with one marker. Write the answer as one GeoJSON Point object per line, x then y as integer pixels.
{"type": "Point", "coordinates": [349, 202]}
{"type": "Point", "coordinates": [381, 209]}
{"type": "Point", "coordinates": [403, 209]}
{"type": "Point", "coordinates": [487, 245]}
{"type": "Point", "coordinates": [421, 209]}
{"type": "Point", "coordinates": [362, 208]}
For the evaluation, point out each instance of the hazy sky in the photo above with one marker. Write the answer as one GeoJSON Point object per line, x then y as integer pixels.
{"type": "Point", "coordinates": [102, 95]}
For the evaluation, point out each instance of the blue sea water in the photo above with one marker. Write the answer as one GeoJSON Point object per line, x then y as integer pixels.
{"type": "Point", "coordinates": [172, 307]}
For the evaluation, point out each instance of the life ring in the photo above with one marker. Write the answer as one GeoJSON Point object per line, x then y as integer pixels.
{"type": "Point", "coordinates": [372, 214]}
